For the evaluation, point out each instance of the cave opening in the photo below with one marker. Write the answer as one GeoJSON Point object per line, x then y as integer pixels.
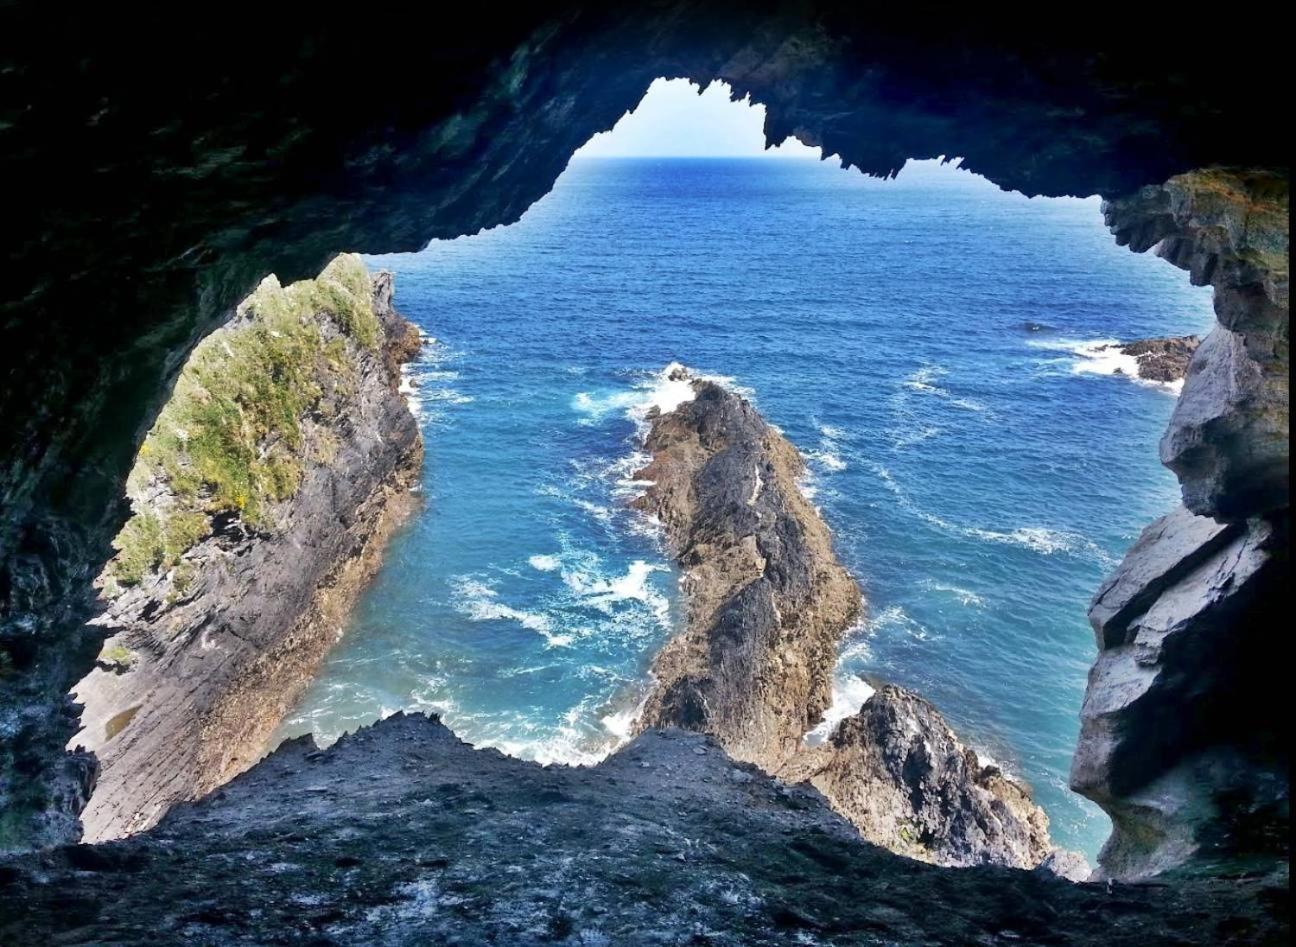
{"type": "Point", "coordinates": [943, 353]}
{"type": "Point", "coordinates": [146, 210]}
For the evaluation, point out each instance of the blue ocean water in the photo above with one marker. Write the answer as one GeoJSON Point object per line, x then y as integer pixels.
{"type": "Point", "coordinates": [980, 476]}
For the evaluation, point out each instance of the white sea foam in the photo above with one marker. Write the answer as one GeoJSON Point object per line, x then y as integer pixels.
{"type": "Point", "coordinates": [964, 596]}
{"type": "Point", "coordinates": [545, 563]}
{"type": "Point", "coordinates": [923, 380]}
{"type": "Point", "coordinates": [1103, 357]}
{"type": "Point", "coordinates": [850, 692]}
{"type": "Point", "coordinates": [479, 602]}
{"type": "Point", "coordinates": [603, 593]}
{"type": "Point", "coordinates": [1040, 539]}
{"type": "Point", "coordinates": [827, 459]}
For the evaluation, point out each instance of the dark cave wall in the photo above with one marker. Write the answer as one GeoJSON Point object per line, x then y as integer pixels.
{"type": "Point", "coordinates": [155, 173]}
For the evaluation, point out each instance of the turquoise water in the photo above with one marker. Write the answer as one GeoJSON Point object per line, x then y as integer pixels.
{"type": "Point", "coordinates": [980, 476]}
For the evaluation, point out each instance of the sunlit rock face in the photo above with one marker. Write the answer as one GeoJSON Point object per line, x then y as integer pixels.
{"type": "Point", "coordinates": [159, 174]}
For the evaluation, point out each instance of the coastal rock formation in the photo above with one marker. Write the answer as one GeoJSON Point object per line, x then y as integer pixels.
{"type": "Point", "coordinates": [1162, 360]}
{"type": "Point", "coordinates": [901, 776]}
{"type": "Point", "coordinates": [143, 211]}
{"type": "Point", "coordinates": [1228, 438]}
{"type": "Point", "coordinates": [263, 499]}
{"type": "Point", "coordinates": [1170, 745]}
{"type": "Point", "coordinates": [767, 605]}
{"type": "Point", "coordinates": [767, 600]}
{"type": "Point", "coordinates": [400, 834]}
{"type": "Point", "coordinates": [1185, 737]}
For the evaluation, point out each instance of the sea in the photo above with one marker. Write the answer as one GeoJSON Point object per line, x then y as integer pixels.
{"type": "Point", "coordinates": [938, 350]}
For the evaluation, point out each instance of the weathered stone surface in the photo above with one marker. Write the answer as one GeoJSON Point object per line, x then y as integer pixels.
{"type": "Point", "coordinates": [767, 599]}
{"type": "Point", "coordinates": [1228, 437]}
{"type": "Point", "coordinates": [902, 777]}
{"type": "Point", "coordinates": [767, 604]}
{"type": "Point", "coordinates": [209, 666]}
{"type": "Point", "coordinates": [1183, 737]}
{"type": "Point", "coordinates": [400, 834]}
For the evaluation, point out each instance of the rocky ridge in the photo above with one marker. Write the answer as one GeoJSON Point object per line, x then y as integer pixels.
{"type": "Point", "coordinates": [767, 606]}
{"type": "Point", "coordinates": [227, 592]}
{"type": "Point", "coordinates": [401, 834]}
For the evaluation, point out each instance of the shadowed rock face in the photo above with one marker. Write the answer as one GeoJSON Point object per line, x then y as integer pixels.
{"type": "Point", "coordinates": [400, 834]}
{"type": "Point", "coordinates": [1182, 739]}
{"type": "Point", "coordinates": [1228, 437]}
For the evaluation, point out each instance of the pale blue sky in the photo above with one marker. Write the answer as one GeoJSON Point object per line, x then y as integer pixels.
{"type": "Point", "coordinates": [674, 120]}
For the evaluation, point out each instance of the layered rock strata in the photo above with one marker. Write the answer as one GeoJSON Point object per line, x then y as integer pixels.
{"type": "Point", "coordinates": [767, 606]}
{"type": "Point", "coordinates": [1183, 757]}
{"type": "Point", "coordinates": [400, 834]}
{"type": "Point", "coordinates": [252, 536]}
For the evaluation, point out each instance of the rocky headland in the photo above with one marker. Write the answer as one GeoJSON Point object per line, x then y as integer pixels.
{"type": "Point", "coordinates": [262, 501]}
{"type": "Point", "coordinates": [767, 606]}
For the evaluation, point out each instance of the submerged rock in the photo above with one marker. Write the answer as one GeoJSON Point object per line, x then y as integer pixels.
{"type": "Point", "coordinates": [768, 603]}
{"type": "Point", "coordinates": [263, 500]}
{"type": "Point", "coordinates": [1163, 360]}
{"type": "Point", "coordinates": [401, 834]}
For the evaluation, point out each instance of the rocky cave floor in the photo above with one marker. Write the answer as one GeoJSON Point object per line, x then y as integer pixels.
{"type": "Point", "coordinates": [402, 834]}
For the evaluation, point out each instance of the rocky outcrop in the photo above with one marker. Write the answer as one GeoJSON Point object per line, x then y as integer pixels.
{"type": "Point", "coordinates": [900, 775]}
{"type": "Point", "coordinates": [767, 600]}
{"type": "Point", "coordinates": [1162, 360]}
{"type": "Point", "coordinates": [767, 605]}
{"type": "Point", "coordinates": [1228, 437]}
{"type": "Point", "coordinates": [1185, 737]}
{"type": "Point", "coordinates": [400, 834]}
{"type": "Point", "coordinates": [226, 593]}
{"type": "Point", "coordinates": [1181, 723]}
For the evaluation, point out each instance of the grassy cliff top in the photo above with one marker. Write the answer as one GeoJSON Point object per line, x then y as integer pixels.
{"type": "Point", "coordinates": [230, 439]}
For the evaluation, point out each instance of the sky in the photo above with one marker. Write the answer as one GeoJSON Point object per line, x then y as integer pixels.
{"type": "Point", "coordinates": [673, 120]}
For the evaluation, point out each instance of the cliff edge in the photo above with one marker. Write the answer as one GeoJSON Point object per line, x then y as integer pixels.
{"type": "Point", "coordinates": [263, 498]}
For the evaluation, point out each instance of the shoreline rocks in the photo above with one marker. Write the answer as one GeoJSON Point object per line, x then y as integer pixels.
{"type": "Point", "coordinates": [768, 604]}
{"type": "Point", "coordinates": [767, 600]}
{"type": "Point", "coordinates": [1164, 360]}
{"type": "Point", "coordinates": [215, 632]}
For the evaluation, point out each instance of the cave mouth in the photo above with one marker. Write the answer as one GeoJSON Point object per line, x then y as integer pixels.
{"type": "Point", "coordinates": [948, 378]}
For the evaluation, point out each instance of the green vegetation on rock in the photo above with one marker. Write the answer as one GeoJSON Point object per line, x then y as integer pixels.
{"type": "Point", "coordinates": [230, 439]}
